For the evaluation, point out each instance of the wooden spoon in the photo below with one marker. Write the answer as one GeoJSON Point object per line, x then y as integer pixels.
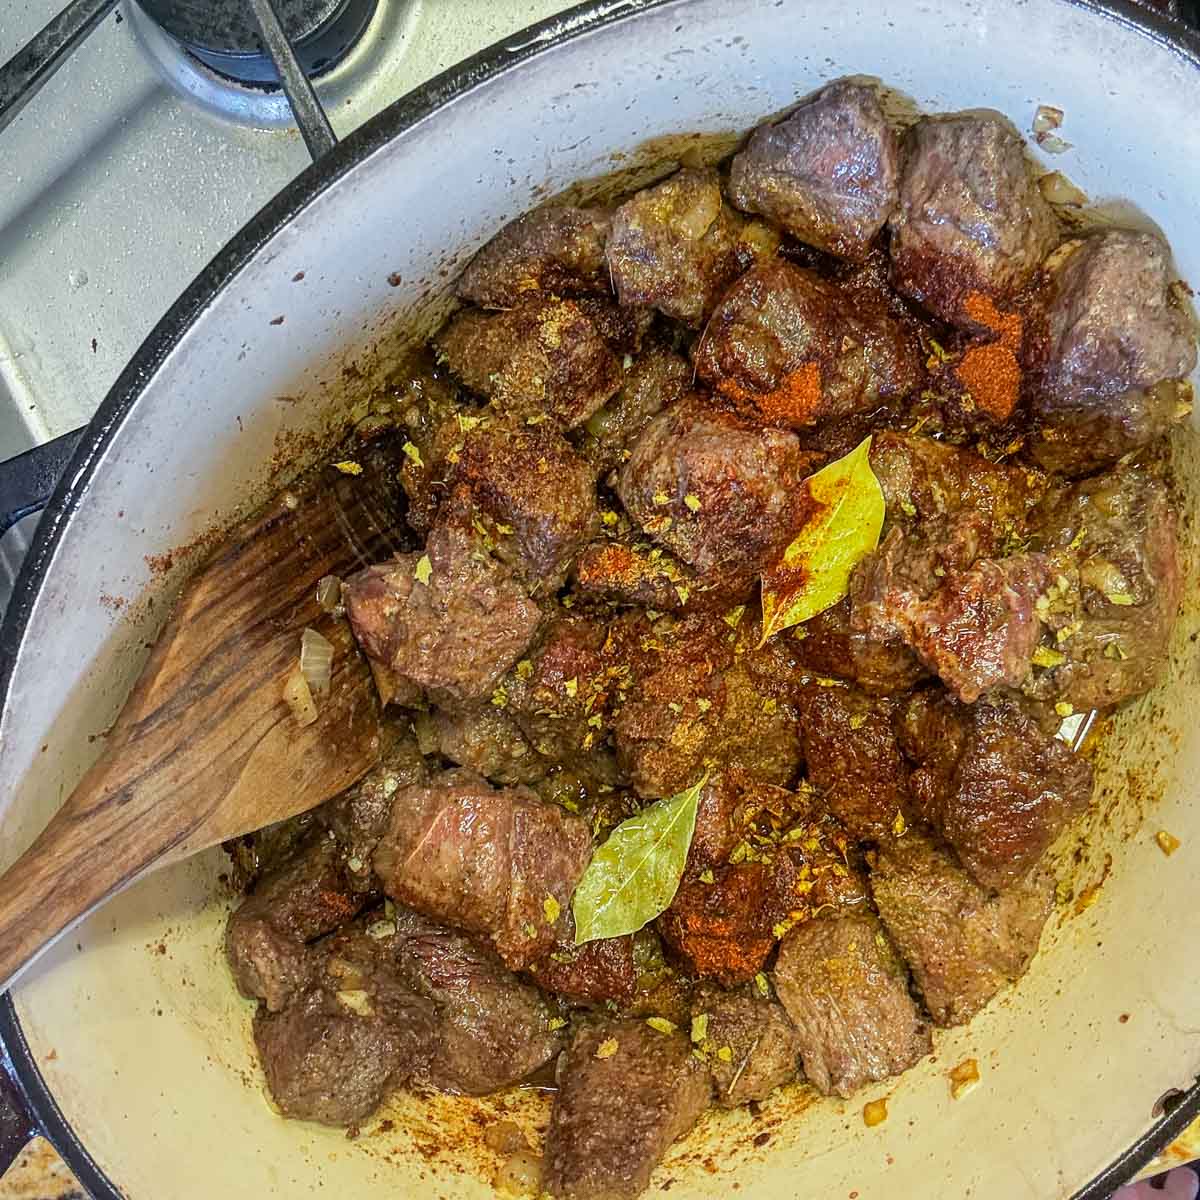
{"type": "Point", "coordinates": [206, 749]}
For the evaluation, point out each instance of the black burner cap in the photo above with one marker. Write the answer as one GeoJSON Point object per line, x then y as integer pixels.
{"type": "Point", "coordinates": [222, 33]}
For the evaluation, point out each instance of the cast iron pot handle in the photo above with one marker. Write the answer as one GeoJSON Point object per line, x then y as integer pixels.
{"type": "Point", "coordinates": [27, 481]}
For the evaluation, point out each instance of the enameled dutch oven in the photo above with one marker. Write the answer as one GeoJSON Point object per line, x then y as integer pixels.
{"type": "Point", "coordinates": [128, 1041]}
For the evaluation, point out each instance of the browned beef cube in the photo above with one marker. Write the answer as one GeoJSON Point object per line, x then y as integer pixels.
{"type": "Point", "coordinates": [962, 943]}
{"type": "Point", "coordinates": [485, 739]}
{"type": "Point", "coordinates": [827, 645]}
{"type": "Point", "coordinates": [1117, 341]}
{"type": "Point", "coordinates": [677, 245]}
{"type": "Point", "coordinates": [1115, 538]}
{"type": "Point", "coordinates": [336, 1050]}
{"type": "Point", "coordinates": [749, 1043]}
{"type": "Point", "coordinates": [790, 346]}
{"type": "Point", "coordinates": [628, 571]}
{"type": "Point", "coordinates": [712, 490]}
{"type": "Point", "coordinates": [729, 805]}
{"type": "Point", "coordinates": [359, 816]}
{"type": "Point", "coordinates": [600, 970]}
{"type": "Point", "coordinates": [851, 754]}
{"type": "Point", "coordinates": [828, 172]}
{"type": "Point", "coordinates": [535, 495]}
{"type": "Point", "coordinates": [972, 223]}
{"type": "Point", "coordinates": [455, 631]}
{"type": "Point", "coordinates": [501, 864]}
{"type": "Point", "coordinates": [561, 693]}
{"type": "Point", "coordinates": [491, 1029]}
{"type": "Point", "coordinates": [846, 991]}
{"type": "Point", "coordinates": [301, 900]}
{"type": "Point", "coordinates": [544, 358]}
{"type": "Point", "coordinates": [625, 1093]}
{"type": "Point", "coordinates": [694, 706]}
{"type": "Point", "coordinates": [558, 249]}
{"type": "Point", "coordinates": [1007, 796]}
{"type": "Point", "coordinates": [657, 378]}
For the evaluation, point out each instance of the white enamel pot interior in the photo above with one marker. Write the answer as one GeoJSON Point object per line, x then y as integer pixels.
{"type": "Point", "coordinates": [129, 1035]}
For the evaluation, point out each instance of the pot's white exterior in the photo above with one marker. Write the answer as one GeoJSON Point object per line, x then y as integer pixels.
{"type": "Point", "coordinates": [133, 1019]}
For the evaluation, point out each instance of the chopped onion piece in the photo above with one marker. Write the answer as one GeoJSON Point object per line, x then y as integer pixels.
{"type": "Point", "coordinates": [1047, 118]}
{"type": "Point", "coordinates": [299, 698]}
{"type": "Point", "coordinates": [1058, 189]}
{"type": "Point", "coordinates": [329, 593]}
{"type": "Point", "coordinates": [316, 661]}
{"type": "Point", "coordinates": [1052, 143]}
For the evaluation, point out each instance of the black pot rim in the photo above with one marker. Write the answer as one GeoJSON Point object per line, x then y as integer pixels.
{"type": "Point", "coordinates": [494, 61]}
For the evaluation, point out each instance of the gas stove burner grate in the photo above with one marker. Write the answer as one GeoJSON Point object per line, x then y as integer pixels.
{"type": "Point", "coordinates": [223, 36]}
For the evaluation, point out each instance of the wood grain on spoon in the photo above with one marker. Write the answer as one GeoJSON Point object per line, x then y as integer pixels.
{"type": "Point", "coordinates": [205, 748]}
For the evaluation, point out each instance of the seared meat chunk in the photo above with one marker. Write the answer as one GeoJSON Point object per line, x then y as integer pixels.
{"type": "Point", "coordinates": [714, 491]}
{"type": "Point", "coordinates": [304, 898]}
{"type": "Point", "coordinates": [485, 739]}
{"type": "Point", "coordinates": [451, 621]}
{"type": "Point", "coordinates": [750, 1045]}
{"type": "Point", "coordinates": [693, 706]}
{"type": "Point", "coordinates": [962, 943]}
{"type": "Point", "coordinates": [658, 378]}
{"type": "Point", "coordinates": [677, 245]}
{"type": "Point", "coordinates": [1007, 796]}
{"type": "Point", "coordinates": [498, 863]}
{"type": "Point", "coordinates": [625, 1093]}
{"type": "Point", "coordinates": [356, 1033]}
{"type": "Point", "coordinates": [1116, 347]}
{"type": "Point", "coordinates": [491, 1029]}
{"type": "Point", "coordinates": [558, 250]}
{"type": "Point", "coordinates": [846, 992]}
{"type": "Point", "coordinates": [535, 495]}
{"type": "Point", "coordinates": [851, 754]}
{"type": "Point", "coordinates": [730, 805]}
{"type": "Point", "coordinates": [828, 172]}
{"type": "Point", "coordinates": [596, 971]}
{"type": "Point", "coordinates": [790, 346]}
{"type": "Point", "coordinates": [359, 816]}
{"type": "Point", "coordinates": [1115, 539]}
{"type": "Point", "coordinates": [972, 224]}
{"type": "Point", "coordinates": [544, 358]}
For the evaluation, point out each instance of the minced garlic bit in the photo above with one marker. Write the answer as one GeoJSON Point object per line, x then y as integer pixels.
{"type": "Point", "coordinates": [699, 1028]}
{"type": "Point", "coordinates": [551, 909]}
{"type": "Point", "coordinates": [963, 1077]}
{"type": "Point", "coordinates": [1168, 843]}
{"type": "Point", "coordinates": [725, 1054]}
{"type": "Point", "coordinates": [424, 571]}
{"type": "Point", "coordinates": [348, 467]}
{"type": "Point", "coordinates": [760, 982]}
{"type": "Point", "coordinates": [556, 1023]}
{"type": "Point", "coordinates": [608, 517]}
{"type": "Point", "coordinates": [693, 502]}
{"type": "Point", "coordinates": [607, 1048]}
{"type": "Point", "coordinates": [1064, 708]}
{"type": "Point", "coordinates": [875, 1112]}
{"type": "Point", "coordinates": [661, 1024]}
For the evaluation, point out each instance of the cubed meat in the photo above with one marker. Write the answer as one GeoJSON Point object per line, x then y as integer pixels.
{"type": "Point", "coordinates": [676, 246]}
{"type": "Point", "coordinates": [694, 706]}
{"type": "Point", "coordinates": [656, 379]}
{"type": "Point", "coordinates": [712, 490]}
{"type": "Point", "coordinates": [1117, 345]}
{"type": "Point", "coordinates": [962, 943]}
{"type": "Point", "coordinates": [851, 754]}
{"type": "Point", "coordinates": [497, 863]}
{"type": "Point", "coordinates": [732, 804]}
{"type": "Point", "coordinates": [1007, 797]}
{"type": "Point", "coordinates": [788, 345]}
{"type": "Point", "coordinates": [450, 621]}
{"type": "Point", "coordinates": [535, 497]}
{"type": "Point", "coordinates": [828, 172]}
{"type": "Point", "coordinates": [846, 991]}
{"type": "Point", "coordinates": [600, 970]}
{"type": "Point", "coordinates": [491, 1029]}
{"type": "Point", "coordinates": [558, 249]}
{"type": "Point", "coordinates": [625, 1093]}
{"type": "Point", "coordinates": [1116, 539]}
{"type": "Point", "coordinates": [749, 1043]}
{"type": "Point", "coordinates": [359, 816]}
{"type": "Point", "coordinates": [562, 692]}
{"type": "Point", "coordinates": [972, 225]}
{"type": "Point", "coordinates": [486, 740]}
{"type": "Point", "coordinates": [827, 645]}
{"type": "Point", "coordinates": [542, 359]}
{"type": "Point", "coordinates": [265, 941]}
{"type": "Point", "coordinates": [356, 1033]}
